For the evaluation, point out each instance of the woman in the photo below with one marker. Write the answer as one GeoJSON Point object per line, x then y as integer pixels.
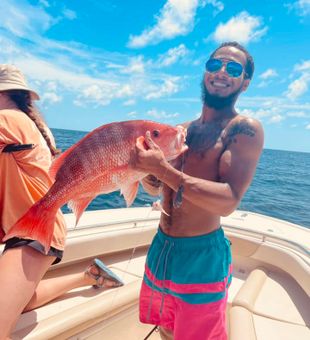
{"type": "Point", "coordinates": [27, 148]}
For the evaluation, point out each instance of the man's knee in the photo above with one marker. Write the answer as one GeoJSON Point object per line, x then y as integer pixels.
{"type": "Point", "coordinates": [165, 334]}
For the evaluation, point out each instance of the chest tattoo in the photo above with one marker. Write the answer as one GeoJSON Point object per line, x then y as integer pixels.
{"type": "Point", "coordinates": [202, 137]}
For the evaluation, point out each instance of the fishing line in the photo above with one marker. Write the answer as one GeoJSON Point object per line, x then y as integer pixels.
{"type": "Point", "coordinates": [123, 275]}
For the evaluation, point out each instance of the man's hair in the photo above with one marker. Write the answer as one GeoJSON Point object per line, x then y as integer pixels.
{"type": "Point", "coordinates": [249, 67]}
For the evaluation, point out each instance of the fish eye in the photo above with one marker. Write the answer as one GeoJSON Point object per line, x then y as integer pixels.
{"type": "Point", "coordinates": [155, 133]}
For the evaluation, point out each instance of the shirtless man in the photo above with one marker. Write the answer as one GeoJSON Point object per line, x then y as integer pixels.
{"type": "Point", "coordinates": [188, 268]}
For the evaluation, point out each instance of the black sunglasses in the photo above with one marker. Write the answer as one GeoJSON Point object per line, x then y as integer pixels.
{"type": "Point", "coordinates": [233, 69]}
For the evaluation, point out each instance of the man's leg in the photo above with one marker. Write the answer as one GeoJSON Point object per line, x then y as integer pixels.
{"type": "Point", "coordinates": [202, 321]}
{"type": "Point", "coordinates": [165, 334]}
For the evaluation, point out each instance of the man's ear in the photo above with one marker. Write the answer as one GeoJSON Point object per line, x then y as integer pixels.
{"type": "Point", "coordinates": [245, 84]}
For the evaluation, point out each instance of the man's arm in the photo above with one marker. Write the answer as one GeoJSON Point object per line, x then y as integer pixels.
{"type": "Point", "coordinates": [151, 185]}
{"type": "Point", "coordinates": [236, 169]}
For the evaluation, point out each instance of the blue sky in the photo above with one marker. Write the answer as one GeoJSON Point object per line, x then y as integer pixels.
{"type": "Point", "coordinates": [99, 61]}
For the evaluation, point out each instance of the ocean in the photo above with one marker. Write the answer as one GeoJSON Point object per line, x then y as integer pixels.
{"type": "Point", "coordinates": [280, 188]}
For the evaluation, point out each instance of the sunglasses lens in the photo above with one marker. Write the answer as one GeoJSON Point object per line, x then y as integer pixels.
{"type": "Point", "coordinates": [213, 65]}
{"type": "Point", "coordinates": [234, 69]}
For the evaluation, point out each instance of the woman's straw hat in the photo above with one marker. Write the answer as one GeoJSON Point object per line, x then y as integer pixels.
{"type": "Point", "coordinates": [11, 78]}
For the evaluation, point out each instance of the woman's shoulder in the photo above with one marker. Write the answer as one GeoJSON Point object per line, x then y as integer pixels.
{"type": "Point", "coordinates": [15, 123]}
{"type": "Point", "coordinates": [12, 115]}
{"type": "Point", "coordinates": [15, 117]}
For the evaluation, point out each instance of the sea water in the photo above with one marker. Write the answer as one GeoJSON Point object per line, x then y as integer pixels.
{"type": "Point", "coordinates": [280, 188]}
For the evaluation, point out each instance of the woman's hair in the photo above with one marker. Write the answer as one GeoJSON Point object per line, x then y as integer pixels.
{"type": "Point", "coordinates": [23, 101]}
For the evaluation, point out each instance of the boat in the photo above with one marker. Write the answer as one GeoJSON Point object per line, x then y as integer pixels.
{"type": "Point", "coordinates": [269, 298]}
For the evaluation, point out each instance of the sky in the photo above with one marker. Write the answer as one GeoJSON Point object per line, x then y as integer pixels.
{"type": "Point", "coordinates": [99, 61]}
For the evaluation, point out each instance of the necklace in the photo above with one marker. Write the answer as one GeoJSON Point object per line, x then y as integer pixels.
{"type": "Point", "coordinates": [177, 202]}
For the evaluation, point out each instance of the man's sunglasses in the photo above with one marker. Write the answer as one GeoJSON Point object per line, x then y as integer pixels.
{"type": "Point", "coordinates": [233, 68]}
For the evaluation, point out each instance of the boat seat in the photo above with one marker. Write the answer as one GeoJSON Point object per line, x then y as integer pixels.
{"type": "Point", "coordinates": [86, 307]}
{"type": "Point", "coordinates": [244, 325]}
{"type": "Point", "coordinates": [268, 306]}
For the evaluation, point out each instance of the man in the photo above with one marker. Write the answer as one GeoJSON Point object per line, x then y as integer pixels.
{"type": "Point", "coordinates": [188, 268]}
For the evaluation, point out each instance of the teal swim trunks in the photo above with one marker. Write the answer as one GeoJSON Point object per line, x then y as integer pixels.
{"type": "Point", "coordinates": [185, 285]}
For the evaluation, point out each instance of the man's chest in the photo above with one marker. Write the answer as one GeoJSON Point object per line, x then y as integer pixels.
{"type": "Point", "coordinates": [202, 163]}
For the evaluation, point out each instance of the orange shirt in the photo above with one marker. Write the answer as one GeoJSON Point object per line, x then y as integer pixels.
{"type": "Point", "coordinates": [24, 175]}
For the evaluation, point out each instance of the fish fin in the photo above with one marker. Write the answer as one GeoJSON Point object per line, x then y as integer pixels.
{"type": "Point", "coordinates": [157, 206]}
{"type": "Point", "coordinates": [78, 206]}
{"type": "Point", "coordinates": [37, 224]}
{"type": "Point", "coordinates": [130, 192]}
{"type": "Point", "coordinates": [57, 163]}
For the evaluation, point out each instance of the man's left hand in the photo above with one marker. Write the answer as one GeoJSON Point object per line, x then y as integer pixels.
{"type": "Point", "coordinates": [147, 156]}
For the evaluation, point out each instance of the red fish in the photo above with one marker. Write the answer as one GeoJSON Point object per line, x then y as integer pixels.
{"type": "Point", "coordinates": [97, 164]}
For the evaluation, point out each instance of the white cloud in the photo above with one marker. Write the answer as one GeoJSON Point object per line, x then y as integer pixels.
{"type": "Point", "coordinates": [170, 86]}
{"type": "Point", "coordinates": [129, 102]}
{"type": "Point", "coordinates": [308, 126]}
{"type": "Point", "coordinates": [69, 14]}
{"type": "Point", "coordinates": [276, 119]}
{"type": "Point", "coordinates": [175, 18]}
{"type": "Point", "coordinates": [132, 114]}
{"type": "Point", "coordinates": [270, 73]}
{"type": "Point", "coordinates": [299, 86]}
{"type": "Point", "coordinates": [297, 114]}
{"type": "Point", "coordinates": [51, 86]}
{"type": "Point", "coordinates": [243, 28]}
{"type": "Point", "coordinates": [50, 98]}
{"type": "Point", "coordinates": [263, 83]}
{"type": "Point", "coordinates": [302, 7]}
{"type": "Point", "coordinates": [23, 19]}
{"type": "Point", "coordinates": [272, 110]}
{"type": "Point", "coordinates": [95, 93]}
{"type": "Point", "coordinates": [161, 114]}
{"type": "Point", "coordinates": [257, 114]}
{"type": "Point", "coordinates": [136, 65]}
{"type": "Point", "coordinates": [304, 67]}
{"type": "Point", "coordinates": [281, 103]}
{"type": "Point", "coordinates": [172, 56]}
{"type": "Point", "coordinates": [267, 77]}
{"type": "Point", "coordinates": [218, 5]}
{"type": "Point", "coordinates": [66, 73]}
{"type": "Point", "coordinates": [44, 3]}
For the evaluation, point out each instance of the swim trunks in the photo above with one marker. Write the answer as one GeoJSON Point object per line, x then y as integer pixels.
{"type": "Point", "coordinates": [185, 285]}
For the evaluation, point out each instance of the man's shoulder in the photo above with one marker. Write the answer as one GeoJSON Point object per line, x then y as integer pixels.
{"type": "Point", "coordinates": [244, 123]}
{"type": "Point", "coordinates": [243, 131]}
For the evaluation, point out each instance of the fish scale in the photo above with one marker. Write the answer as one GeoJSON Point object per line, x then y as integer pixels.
{"type": "Point", "coordinates": [97, 164]}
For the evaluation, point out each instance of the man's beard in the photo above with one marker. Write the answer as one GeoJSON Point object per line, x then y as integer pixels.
{"type": "Point", "coordinates": [215, 101]}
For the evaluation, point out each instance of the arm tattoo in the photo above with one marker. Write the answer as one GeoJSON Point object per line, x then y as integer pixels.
{"type": "Point", "coordinates": [240, 128]}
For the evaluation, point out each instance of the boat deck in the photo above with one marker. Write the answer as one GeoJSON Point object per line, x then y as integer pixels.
{"type": "Point", "coordinates": [265, 301]}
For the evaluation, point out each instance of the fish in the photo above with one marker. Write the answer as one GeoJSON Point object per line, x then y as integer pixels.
{"type": "Point", "coordinates": [157, 206]}
{"type": "Point", "coordinates": [97, 164]}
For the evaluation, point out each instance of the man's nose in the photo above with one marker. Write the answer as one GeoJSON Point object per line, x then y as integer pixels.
{"type": "Point", "coordinates": [223, 68]}
{"type": "Point", "coordinates": [222, 71]}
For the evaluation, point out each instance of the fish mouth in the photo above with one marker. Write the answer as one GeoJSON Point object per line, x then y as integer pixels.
{"type": "Point", "coordinates": [179, 146]}
{"type": "Point", "coordinates": [181, 137]}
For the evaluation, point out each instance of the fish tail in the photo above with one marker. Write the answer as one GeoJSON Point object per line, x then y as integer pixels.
{"type": "Point", "coordinates": [37, 224]}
